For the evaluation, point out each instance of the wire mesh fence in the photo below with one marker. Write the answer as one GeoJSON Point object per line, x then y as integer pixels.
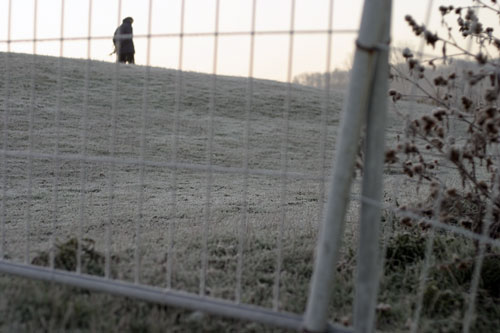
{"type": "Point", "coordinates": [206, 191]}
{"type": "Point", "coordinates": [152, 176]}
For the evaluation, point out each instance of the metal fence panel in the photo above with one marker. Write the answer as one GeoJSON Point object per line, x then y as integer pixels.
{"type": "Point", "coordinates": [199, 191]}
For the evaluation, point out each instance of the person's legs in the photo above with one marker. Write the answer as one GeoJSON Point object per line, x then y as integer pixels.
{"type": "Point", "coordinates": [127, 58]}
{"type": "Point", "coordinates": [122, 57]}
{"type": "Point", "coordinates": [130, 58]}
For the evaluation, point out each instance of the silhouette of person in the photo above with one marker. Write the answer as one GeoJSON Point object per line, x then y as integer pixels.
{"type": "Point", "coordinates": [122, 39]}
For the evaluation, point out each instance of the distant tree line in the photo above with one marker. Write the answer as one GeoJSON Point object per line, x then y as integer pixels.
{"type": "Point", "coordinates": [459, 77]}
{"type": "Point", "coordinates": [400, 72]}
{"type": "Point", "coordinates": [338, 79]}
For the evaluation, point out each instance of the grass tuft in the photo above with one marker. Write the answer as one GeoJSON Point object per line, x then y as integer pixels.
{"type": "Point", "coordinates": [65, 257]}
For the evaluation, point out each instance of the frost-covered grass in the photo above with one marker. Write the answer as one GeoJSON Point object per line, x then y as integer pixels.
{"type": "Point", "coordinates": [32, 305]}
{"type": "Point", "coordinates": [96, 199]}
{"type": "Point", "coordinates": [174, 224]}
{"type": "Point", "coordinates": [150, 117]}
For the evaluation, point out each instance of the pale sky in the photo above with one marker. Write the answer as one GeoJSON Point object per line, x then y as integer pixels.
{"type": "Point", "coordinates": [271, 51]}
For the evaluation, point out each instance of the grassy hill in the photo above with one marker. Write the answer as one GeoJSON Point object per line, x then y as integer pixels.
{"type": "Point", "coordinates": [149, 124]}
{"type": "Point", "coordinates": [89, 131]}
{"type": "Point", "coordinates": [183, 180]}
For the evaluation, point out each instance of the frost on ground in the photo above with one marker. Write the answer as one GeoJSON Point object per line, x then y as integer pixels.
{"type": "Point", "coordinates": [121, 116]}
{"type": "Point", "coordinates": [168, 179]}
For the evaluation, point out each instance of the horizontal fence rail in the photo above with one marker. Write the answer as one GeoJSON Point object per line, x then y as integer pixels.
{"type": "Point", "coordinates": [188, 34]}
{"type": "Point", "coordinates": [166, 297]}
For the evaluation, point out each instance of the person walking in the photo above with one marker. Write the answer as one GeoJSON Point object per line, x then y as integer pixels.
{"type": "Point", "coordinates": [124, 45]}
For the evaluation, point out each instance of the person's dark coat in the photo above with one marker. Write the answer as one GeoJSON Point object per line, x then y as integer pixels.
{"type": "Point", "coordinates": [123, 38]}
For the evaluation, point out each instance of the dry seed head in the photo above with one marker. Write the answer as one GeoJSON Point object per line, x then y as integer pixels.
{"type": "Point", "coordinates": [437, 143]}
{"type": "Point", "coordinates": [452, 192]}
{"type": "Point", "coordinates": [406, 221]}
{"type": "Point", "coordinates": [434, 190]}
{"type": "Point", "coordinates": [470, 15]}
{"type": "Point", "coordinates": [461, 23]}
{"type": "Point", "coordinates": [412, 63]}
{"type": "Point", "coordinates": [407, 53]}
{"type": "Point", "coordinates": [491, 112]}
{"type": "Point", "coordinates": [427, 119]}
{"type": "Point", "coordinates": [431, 38]}
{"type": "Point", "coordinates": [477, 28]}
{"type": "Point", "coordinates": [443, 10]}
{"type": "Point", "coordinates": [428, 123]}
{"type": "Point", "coordinates": [391, 157]}
{"type": "Point", "coordinates": [496, 43]}
{"type": "Point", "coordinates": [491, 95]}
{"type": "Point", "coordinates": [482, 186]}
{"type": "Point", "coordinates": [454, 154]}
{"type": "Point", "coordinates": [440, 131]}
{"type": "Point", "coordinates": [418, 168]}
{"type": "Point", "coordinates": [408, 171]}
{"type": "Point", "coordinates": [491, 127]}
{"type": "Point", "coordinates": [489, 164]}
{"type": "Point", "coordinates": [440, 81]}
{"type": "Point", "coordinates": [411, 149]}
{"type": "Point", "coordinates": [439, 114]}
{"type": "Point", "coordinates": [467, 103]}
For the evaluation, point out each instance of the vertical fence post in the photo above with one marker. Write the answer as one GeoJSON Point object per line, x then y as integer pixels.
{"type": "Point", "coordinates": [371, 35]}
{"type": "Point", "coordinates": [368, 263]}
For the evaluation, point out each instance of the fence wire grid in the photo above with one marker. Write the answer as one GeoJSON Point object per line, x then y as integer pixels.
{"type": "Point", "coordinates": [195, 190]}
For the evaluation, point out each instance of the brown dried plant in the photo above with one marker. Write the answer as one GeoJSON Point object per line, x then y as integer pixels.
{"type": "Point", "coordinates": [432, 142]}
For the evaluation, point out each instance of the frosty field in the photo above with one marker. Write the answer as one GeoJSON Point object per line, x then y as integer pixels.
{"type": "Point", "coordinates": [99, 195]}
{"type": "Point", "coordinates": [190, 182]}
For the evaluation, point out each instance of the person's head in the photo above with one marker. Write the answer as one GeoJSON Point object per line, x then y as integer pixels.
{"type": "Point", "coordinates": [128, 20]}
